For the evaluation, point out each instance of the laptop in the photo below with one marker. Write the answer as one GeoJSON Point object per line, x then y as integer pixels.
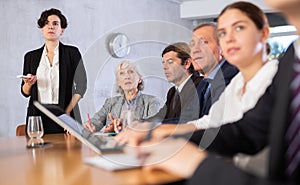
{"type": "Point", "coordinates": [99, 144]}
{"type": "Point", "coordinates": [113, 156]}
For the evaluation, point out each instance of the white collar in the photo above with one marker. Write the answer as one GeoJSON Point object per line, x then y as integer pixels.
{"type": "Point", "coordinates": [179, 88]}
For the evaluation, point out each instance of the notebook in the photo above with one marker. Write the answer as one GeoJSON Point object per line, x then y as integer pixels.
{"type": "Point", "coordinates": [112, 158]}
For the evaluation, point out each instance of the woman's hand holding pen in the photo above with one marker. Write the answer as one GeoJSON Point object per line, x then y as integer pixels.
{"type": "Point", "coordinates": [117, 125]}
{"type": "Point", "coordinates": [111, 126]}
{"type": "Point", "coordinates": [88, 125]}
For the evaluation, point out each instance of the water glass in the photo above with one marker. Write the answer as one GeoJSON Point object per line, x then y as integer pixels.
{"type": "Point", "coordinates": [35, 127]}
{"type": "Point", "coordinates": [127, 118]}
{"type": "Point", "coordinates": [35, 142]}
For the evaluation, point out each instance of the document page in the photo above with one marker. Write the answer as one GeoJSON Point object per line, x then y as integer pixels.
{"type": "Point", "coordinates": [114, 162]}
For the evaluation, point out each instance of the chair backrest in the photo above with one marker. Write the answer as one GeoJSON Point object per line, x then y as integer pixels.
{"type": "Point", "coordinates": [21, 130]}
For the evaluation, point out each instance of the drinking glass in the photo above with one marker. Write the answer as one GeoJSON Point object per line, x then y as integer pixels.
{"type": "Point", "coordinates": [35, 142]}
{"type": "Point", "coordinates": [127, 118]}
{"type": "Point", "coordinates": [35, 127]}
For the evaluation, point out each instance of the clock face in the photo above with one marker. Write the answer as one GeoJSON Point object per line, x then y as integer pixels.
{"type": "Point", "coordinates": [119, 45]}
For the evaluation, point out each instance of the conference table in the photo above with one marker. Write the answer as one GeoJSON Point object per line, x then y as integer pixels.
{"type": "Point", "coordinates": [62, 163]}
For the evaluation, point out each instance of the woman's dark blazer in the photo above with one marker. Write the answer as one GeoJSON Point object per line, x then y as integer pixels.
{"type": "Point", "coordinates": [72, 77]}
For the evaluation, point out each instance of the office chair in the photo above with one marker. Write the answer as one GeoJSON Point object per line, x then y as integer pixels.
{"type": "Point", "coordinates": [21, 130]}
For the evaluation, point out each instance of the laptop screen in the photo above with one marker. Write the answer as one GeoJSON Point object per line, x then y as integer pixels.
{"type": "Point", "coordinates": [71, 123]}
{"type": "Point", "coordinates": [99, 144]}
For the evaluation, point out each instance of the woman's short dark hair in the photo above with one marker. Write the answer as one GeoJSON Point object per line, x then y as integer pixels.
{"type": "Point", "coordinates": [183, 52]}
{"type": "Point", "coordinates": [42, 21]}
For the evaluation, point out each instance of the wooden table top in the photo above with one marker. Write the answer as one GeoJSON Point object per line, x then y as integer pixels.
{"type": "Point", "coordinates": [62, 163]}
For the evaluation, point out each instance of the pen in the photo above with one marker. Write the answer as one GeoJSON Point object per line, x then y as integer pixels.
{"type": "Point", "coordinates": [89, 121]}
{"type": "Point", "coordinates": [112, 134]}
{"type": "Point", "coordinates": [117, 130]}
{"type": "Point", "coordinates": [106, 134]}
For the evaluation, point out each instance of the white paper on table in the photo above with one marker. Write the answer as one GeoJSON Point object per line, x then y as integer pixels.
{"type": "Point", "coordinates": [113, 162]}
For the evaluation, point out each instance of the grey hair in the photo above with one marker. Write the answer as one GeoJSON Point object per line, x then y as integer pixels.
{"type": "Point", "coordinates": [125, 64]}
{"type": "Point", "coordinates": [211, 24]}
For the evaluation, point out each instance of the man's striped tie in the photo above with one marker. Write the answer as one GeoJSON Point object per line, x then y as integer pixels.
{"type": "Point", "coordinates": [293, 130]}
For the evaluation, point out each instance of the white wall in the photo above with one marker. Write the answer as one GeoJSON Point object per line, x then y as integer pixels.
{"type": "Point", "coordinates": [150, 25]}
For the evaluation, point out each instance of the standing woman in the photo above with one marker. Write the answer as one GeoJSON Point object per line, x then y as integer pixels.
{"type": "Point", "coordinates": [57, 74]}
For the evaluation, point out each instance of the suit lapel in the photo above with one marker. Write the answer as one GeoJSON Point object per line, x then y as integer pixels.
{"type": "Point", "coordinates": [218, 84]}
{"type": "Point", "coordinates": [188, 91]}
{"type": "Point", "coordinates": [63, 68]}
{"type": "Point", "coordinates": [170, 97]}
{"type": "Point", "coordinates": [186, 94]}
{"type": "Point", "coordinates": [280, 114]}
{"type": "Point", "coordinates": [115, 107]}
{"type": "Point", "coordinates": [119, 103]}
{"type": "Point", "coordinates": [35, 62]}
{"type": "Point", "coordinates": [140, 106]}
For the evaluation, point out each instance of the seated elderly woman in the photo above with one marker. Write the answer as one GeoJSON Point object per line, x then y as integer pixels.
{"type": "Point", "coordinates": [129, 85]}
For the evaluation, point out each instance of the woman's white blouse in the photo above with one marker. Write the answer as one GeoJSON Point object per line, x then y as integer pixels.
{"type": "Point", "coordinates": [48, 78]}
{"type": "Point", "coordinates": [232, 104]}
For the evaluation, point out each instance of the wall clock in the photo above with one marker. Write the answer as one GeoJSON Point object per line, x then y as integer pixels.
{"type": "Point", "coordinates": [118, 45]}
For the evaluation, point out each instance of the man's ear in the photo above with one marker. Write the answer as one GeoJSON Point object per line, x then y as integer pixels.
{"type": "Point", "coordinates": [188, 63]}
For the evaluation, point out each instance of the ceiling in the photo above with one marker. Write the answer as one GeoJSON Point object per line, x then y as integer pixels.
{"type": "Point", "coordinates": [203, 10]}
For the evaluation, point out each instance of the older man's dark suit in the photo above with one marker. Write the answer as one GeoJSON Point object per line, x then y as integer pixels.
{"type": "Point", "coordinates": [187, 106]}
{"type": "Point", "coordinates": [266, 124]}
{"type": "Point", "coordinates": [218, 85]}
